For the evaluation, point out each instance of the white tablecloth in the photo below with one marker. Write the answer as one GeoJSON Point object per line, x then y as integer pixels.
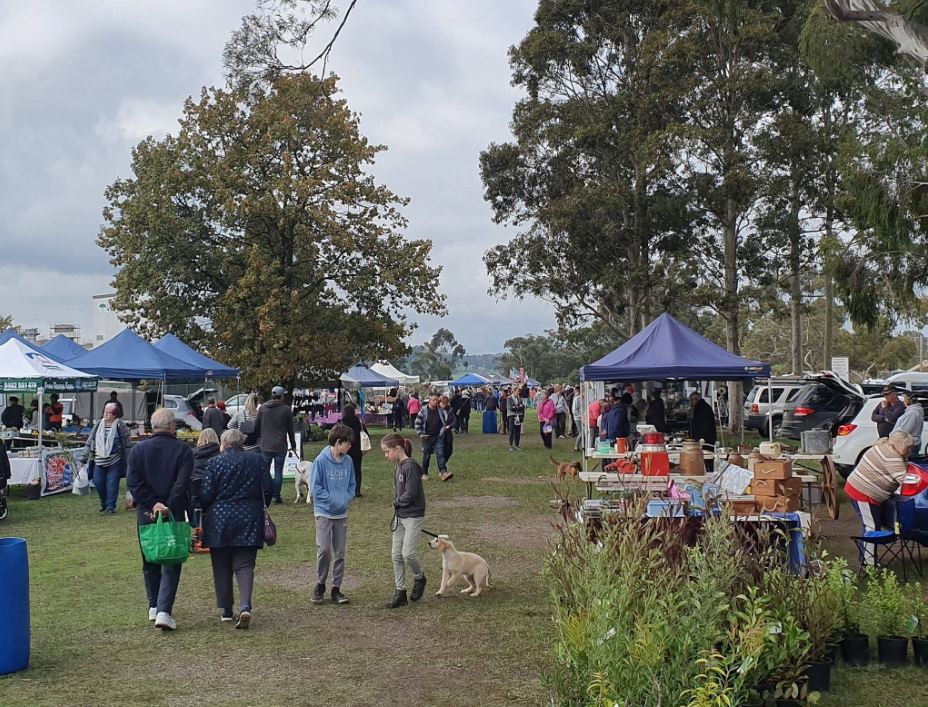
{"type": "Point", "coordinates": [24, 470]}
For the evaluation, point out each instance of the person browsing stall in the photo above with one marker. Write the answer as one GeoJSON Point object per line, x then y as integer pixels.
{"type": "Point", "coordinates": [888, 411]}
{"type": "Point", "coordinates": [13, 414]}
{"type": "Point", "coordinates": [878, 475]}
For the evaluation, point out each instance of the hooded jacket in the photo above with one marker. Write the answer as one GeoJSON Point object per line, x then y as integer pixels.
{"type": "Point", "coordinates": [333, 485]}
{"type": "Point", "coordinates": [274, 426]}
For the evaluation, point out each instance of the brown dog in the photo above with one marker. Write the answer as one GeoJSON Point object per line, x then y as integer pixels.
{"type": "Point", "coordinates": [565, 469]}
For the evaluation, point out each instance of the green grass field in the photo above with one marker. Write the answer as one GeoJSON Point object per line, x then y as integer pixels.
{"type": "Point", "coordinates": [92, 643]}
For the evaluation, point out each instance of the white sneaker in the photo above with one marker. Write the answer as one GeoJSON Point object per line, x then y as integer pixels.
{"type": "Point", "coordinates": [152, 613]}
{"type": "Point", "coordinates": [165, 621]}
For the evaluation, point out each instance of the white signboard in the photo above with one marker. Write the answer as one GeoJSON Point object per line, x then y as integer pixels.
{"type": "Point", "coordinates": [842, 366]}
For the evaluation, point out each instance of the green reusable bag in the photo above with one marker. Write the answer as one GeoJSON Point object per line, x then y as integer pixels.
{"type": "Point", "coordinates": [165, 542]}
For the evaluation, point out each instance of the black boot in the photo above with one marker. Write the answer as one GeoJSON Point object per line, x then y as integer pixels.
{"type": "Point", "coordinates": [418, 589]}
{"type": "Point", "coordinates": [398, 600]}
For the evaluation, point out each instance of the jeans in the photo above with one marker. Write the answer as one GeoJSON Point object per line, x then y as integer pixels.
{"type": "Point", "coordinates": [515, 433]}
{"type": "Point", "coordinates": [331, 534]}
{"type": "Point", "coordinates": [278, 480]}
{"type": "Point", "coordinates": [405, 540]}
{"type": "Point", "coordinates": [436, 446]}
{"type": "Point", "coordinates": [239, 561]}
{"type": "Point", "coordinates": [560, 424]}
{"type": "Point", "coordinates": [106, 480]}
{"type": "Point", "coordinates": [160, 580]}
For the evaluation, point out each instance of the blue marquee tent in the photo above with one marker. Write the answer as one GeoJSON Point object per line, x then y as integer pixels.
{"type": "Point", "coordinates": [173, 346]}
{"type": "Point", "coordinates": [11, 333]}
{"type": "Point", "coordinates": [63, 349]}
{"type": "Point", "coordinates": [470, 379]}
{"type": "Point", "coordinates": [363, 377]}
{"type": "Point", "coordinates": [667, 349]}
{"type": "Point", "coordinates": [127, 356]}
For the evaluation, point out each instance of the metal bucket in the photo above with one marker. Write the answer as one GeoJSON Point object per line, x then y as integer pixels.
{"type": "Point", "coordinates": [816, 442]}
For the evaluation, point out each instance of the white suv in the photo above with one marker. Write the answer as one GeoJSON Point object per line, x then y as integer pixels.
{"type": "Point", "coordinates": [183, 413]}
{"type": "Point", "coordinates": [757, 407]}
{"type": "Point", "coordinates": [857, 436]}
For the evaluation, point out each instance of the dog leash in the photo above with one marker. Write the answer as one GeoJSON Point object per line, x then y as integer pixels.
{"type": "Point", "coordinates": [395, 523]}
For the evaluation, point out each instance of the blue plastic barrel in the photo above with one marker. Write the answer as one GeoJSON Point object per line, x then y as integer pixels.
{"type": "Point", "coordinates": [14, 605]}
{"type": "Point", "coordinates": [489, 422]}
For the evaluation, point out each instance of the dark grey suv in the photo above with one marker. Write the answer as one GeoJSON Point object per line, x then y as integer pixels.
{"type": "Point", "coordinates": [821, 404]}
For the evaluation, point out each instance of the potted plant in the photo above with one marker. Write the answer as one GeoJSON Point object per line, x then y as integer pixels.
{"type": "Point", "coordinates": [788, 663]}
{"type": "Point", "coordinates": [883, 611]}
{"type": "Point", "coordinates": [918, 622]}
{"type": "Point", "coordinates": [841, 584]}
{"type": "Point", "coordinates": [818, 612]}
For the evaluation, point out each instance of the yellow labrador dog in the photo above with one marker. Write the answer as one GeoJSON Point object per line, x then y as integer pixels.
{"type": "Point", "coordinates": [304, 471]}
{"type": "Point", "coordinates": [454, 565]}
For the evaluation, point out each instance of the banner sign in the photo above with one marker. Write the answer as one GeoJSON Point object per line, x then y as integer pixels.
{"type": "Point", "coordinates": [61, 385]}
{"type": "Point", "coordinates": [58, 471]}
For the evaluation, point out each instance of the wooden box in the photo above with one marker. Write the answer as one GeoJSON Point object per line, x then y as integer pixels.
{"type": "Point", "coordinates": [778, 504]}
{"type": "Point", "coordinates": [769, 488]}
{"type": "Point", "coordinates": [773, 469]}
{"type": "Point", "coordinates": [742, 506]}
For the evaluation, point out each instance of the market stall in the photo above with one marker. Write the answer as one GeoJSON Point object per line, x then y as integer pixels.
{"type": "Point", "coordinates": [26, 369]}
{"type": "Point", "coordinates": [388, 370]}
{"type": "Point", "coordinates": [63, 349]}
{"type": "Point", "coordinates": [359, 377]}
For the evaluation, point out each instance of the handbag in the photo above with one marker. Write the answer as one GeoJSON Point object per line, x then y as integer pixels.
{"type": "Point", "coordinates": [365, 441]}
{"type": "Point", "coordinates": [246, 427]}
{"type": "Point", "coordinates": [165, 542]}
{"type": "Point", "coordinates": [270, 530]}
{"type": "Point", "coordinates": [547, 428]}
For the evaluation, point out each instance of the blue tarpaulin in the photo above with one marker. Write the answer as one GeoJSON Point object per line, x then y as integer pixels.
{"type": "Point", "coordinates": [63, 349]}
{"type": "Point", "coordinates": [470, 379]}
{"type": "Point", "coordinates": [363, 377]}
{"type": "Point", "coordinates": [127, 356]}
{"type": "Point", "coordinates": [173, 346]}
{"type": "Point", "coordinates": [667, 349]}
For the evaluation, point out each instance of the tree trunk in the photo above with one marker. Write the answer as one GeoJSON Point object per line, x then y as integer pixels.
{"type": "Point", "coordinates": [831, 186]}
{"type": "Point", "coordinates": [731, 309]}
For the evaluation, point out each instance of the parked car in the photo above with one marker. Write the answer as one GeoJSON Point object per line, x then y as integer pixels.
{"type": "Point", "coordinates": [824, 402]}
{"type": "Point", "coordinates": [757, 407]}
{"type": "Point", "coordinates": [236, 403]}
{"type": "Point", "coordinates": [857, 436]}
{"type": "Point", "coordinates": [183, 412]}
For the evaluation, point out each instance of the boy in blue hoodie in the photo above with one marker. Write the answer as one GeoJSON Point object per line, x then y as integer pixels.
{"type": "Point", "coordinates": [333, 488]}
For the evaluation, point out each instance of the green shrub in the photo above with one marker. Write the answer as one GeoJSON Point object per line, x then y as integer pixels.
{"type": "Point", "coordinates": [883, 604]}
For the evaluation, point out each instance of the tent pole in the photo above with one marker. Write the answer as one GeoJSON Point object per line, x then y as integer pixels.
{"type": "Point", "coordinates": [41, 414]}
{"type": "Point", "coordinates": [770, 406]}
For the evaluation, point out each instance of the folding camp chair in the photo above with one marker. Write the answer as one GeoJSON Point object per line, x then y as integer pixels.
{"type": "Point", "coordinates": [888, 546]}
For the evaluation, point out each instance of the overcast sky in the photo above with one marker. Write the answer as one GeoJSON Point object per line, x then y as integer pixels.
{"type": "Point", "coordinates": [83, 82]}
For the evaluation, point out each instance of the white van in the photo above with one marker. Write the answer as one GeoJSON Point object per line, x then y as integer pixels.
{"type": "Point", "coordinates": [857, 436]}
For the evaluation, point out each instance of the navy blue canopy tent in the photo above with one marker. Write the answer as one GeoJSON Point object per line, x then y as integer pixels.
{"type": "Point", "coordinates": [667, 349]}
{"type": "Point", "coordinates": [470, 379]}
{"type": "Point", "coordinates": [363, 377]}
{"type": "Point", "coordinates": [11, 333]}
{"type": "Point", "coordinates": [63, 349]}
{"type": "Point", "coordinates": [173, 346]}
{"type": "Point", "coordinates": [129, 357]}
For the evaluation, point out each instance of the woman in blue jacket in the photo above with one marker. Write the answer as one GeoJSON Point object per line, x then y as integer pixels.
{"type": "Point", "coordinates": [234, 488]}
{"type": "Point", "coordinates": [333, 489]}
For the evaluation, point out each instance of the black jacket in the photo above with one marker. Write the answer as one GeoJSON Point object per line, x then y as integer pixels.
{"type": "Point", "coordinates": [354, 422]}
{"type": "Point", "coordinates": [213, 417]}
{"type": "Point", "coordinates": [274, 426]}
{"type": "Point", "coordinates": [13, 416]}
{"type": "Point", "coordinates": [702, 423]}
{"type": "Point", "coordinates": [159, 472]}
{"type": "Point", "coordinates": [657, 415]}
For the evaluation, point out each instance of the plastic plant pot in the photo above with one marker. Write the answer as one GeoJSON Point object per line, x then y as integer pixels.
{"type": "Point", "coordinates": [892, 650]}
{"type": "Point", "coordinates": [855, 650]}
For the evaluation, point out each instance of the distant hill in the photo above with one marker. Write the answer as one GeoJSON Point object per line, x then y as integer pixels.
{"type": "Point", "coordinates": [484, 364]}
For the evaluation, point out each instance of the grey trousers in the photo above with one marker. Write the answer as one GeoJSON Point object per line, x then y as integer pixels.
{"type": "Point", "coordinates": [239, 561]}
{"type": "Point", "coordinates": [330, 541]}
{"type": "Point", "coordinates": [405, 540]}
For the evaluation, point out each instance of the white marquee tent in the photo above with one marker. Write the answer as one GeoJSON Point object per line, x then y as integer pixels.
{"type": "Point", "coordinates": [388, 370]}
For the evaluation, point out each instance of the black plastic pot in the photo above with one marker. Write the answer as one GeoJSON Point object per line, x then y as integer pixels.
{"type": "Point", "coordinates": [855, 650]}
{"type": "Point", "coordinates": [832, 653]}
{"type": "Point", "coordinates": [920, 651]}
{"type": "Point", "coordinates": [819, 675]}
{"type": "Point", "coordinates": [33, 492]}
{"type": "Point", "coordinates": [892, 650]}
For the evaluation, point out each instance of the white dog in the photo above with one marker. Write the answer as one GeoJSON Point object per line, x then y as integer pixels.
{"type": "Point", "coordinates": [304, 471]}
{"type": "Point", "coordinates": [473, 568]}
